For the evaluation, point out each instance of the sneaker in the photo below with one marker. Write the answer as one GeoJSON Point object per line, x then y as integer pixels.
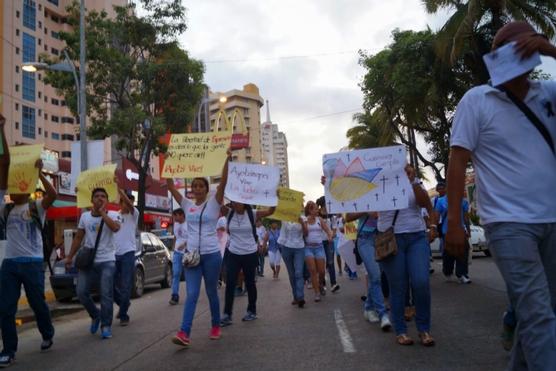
{"type": "Point", "coordinates": [301, 303]}
{"type": "Point", "coordinates": [226, 321]}
{"type": "Point", "coordinates": [335, 288]}
{"type": "Point", "coordinates": [181, 338]}
{"type": "Point", "coordinates": [317, 298]}
{"type": "Point", "coordinates": [507, 337]}
{"type": "Point", "coordinates": [46, 345]}
{"type": "Point", "coordinates": [215, 333]}
{"type": "Point", "coordinates": [106, 332]}
{"type": "Point", "coordinates": [464, 280]}
{"type": "Point", "coordinates": [174, 300]}
{"type": "Point", "coordinates": [124, 322]}
{"type": "Point", "coordinates": [371, 316]}
{"type": "Point", "coordinates": [309, 286]}
{"type": "Point", "coordinates": [385, 324]}
{"type": "Point", "coordinates": [95, 324]}
{"type": "Point", "coordinates": [6, 360]}
{"type": "Point", "coordinates": [250, 316]}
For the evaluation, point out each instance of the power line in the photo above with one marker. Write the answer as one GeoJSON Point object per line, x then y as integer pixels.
{"type": "Point", "coordinates": [322, 116]}
{"type": "Point", "coordinates": [269, 59]}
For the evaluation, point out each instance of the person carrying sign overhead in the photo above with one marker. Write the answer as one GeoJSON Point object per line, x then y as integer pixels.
{"type": "Point", "coordinates": [23, 263]}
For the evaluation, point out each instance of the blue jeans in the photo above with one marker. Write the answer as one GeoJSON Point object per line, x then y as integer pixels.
{"type": "Point", "coordinates": [177, 268]}
{"type": "Point", "coordinates": [209, 269]}
{"type": "Point", "coordinates": [375, 298]}
{"type": "Point", "coordinates": [329, 253]}
{"type": "Point", "coordinates": [123, 282]}
{"type": "Point", "coordinates": [103, 273]}
{"type": "Point", "coordinates": [526, 257]}
{"type": "Point", "coordinates": [295, 261]}
{"type": "Point", "coordinates": [411, 263]}
{"type": "Point", "coordinates": [31, 276]}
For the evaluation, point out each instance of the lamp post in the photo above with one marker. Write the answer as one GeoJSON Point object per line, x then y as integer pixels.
{"type": "Point", "coordinates": [82, 96]}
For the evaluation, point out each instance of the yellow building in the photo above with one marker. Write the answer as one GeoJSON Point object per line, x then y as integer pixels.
{"type": "Point", "coordinates": [33, 110]}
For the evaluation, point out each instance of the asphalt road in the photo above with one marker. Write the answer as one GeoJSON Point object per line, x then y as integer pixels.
{"type": "Point", "coordinates": [330, 335]}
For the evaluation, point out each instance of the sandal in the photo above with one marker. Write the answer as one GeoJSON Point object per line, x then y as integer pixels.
{"type": "Point", "coordinates": [426, 339]}
{"type": "Point", "coordinates": [403, 339]}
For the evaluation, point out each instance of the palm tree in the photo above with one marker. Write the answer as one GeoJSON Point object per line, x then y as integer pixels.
{"type": "Point", "coordinates": [370, 132]}
{"type": "Point", "coordinates": [476, 21]}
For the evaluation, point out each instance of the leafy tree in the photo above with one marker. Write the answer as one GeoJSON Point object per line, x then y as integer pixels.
{"type": "Point", "coordinates": [136, 74]}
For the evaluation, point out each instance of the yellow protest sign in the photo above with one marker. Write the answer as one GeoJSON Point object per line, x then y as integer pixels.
{"type": "Point", "coordinates": [23, 175]}
{"type": "Point", "coordinates": [196, 155]}
{"type": "Point", "coordinates": [350, 230]}
{"type": "Point", "coordinates": [100, 177]}
{"type": "Point", "coordinates": [290, 205]}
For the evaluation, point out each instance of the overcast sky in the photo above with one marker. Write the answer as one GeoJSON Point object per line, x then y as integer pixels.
{"type": "Point", "coordinates": [312, 99]}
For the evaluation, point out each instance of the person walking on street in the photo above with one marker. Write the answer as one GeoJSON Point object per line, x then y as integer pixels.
{"type": "Point", "coordinates": [91, 223]}
{"type": "Point", "coordinates": [180, 244]}
{"type": "Point", "coordinates": [328, 245]}
{"type": "Point", "coordinates": [126, 246]}
{"type": "Point", "coordinates": [508, 132]}
{"type": "Point", "coordinates": [261, 233]}
{"type": "Point", "coordinates": [292, 242]}
{"type": "Point", "coordinates": [274, 254]}
{"type": "Point", "coordinates": [201, 215]}
{"type": "Point", "coordinates": [242, 255]}
{"type": "Point", "coordinates": [23, 260]}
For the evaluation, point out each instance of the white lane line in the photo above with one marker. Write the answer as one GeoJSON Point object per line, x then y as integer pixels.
{"type": "Point", "coordinates": [345, 337]}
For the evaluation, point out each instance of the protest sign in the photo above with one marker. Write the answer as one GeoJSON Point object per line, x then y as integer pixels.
{"type": "Point", "coordinates": [345, 248]}
{"type": "Point", "coordinates": [350, 230]}
{"type": "Point", "coordinates": [505, 64]}
{"type": "Point", "coordinates": [196, 155]}
{"type": "Point", "coordinates": [23, 175]}
{"type": "Point", "coordinates": [252, 184]}
{"type": "Point", "coordinates": [100, 177]}
{"type": "Point", "coordinates": [366, 180]}
{"type": "Point", "coordinates": [290, 205]}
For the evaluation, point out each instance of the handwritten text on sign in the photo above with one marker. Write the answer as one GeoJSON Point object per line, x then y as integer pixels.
{"type": "Point", "coordinates": [252, 184]}
{"type": "Point", "coordinates": [100, 177]}
{"type": "Point", "coordinates": [23, 175]}
{"type": "Point", "coordinates": [290, 205]}
{"type": "Point", "coordinates": [366, 180]}
{"type": "Point", "coordinates": [196, 155]}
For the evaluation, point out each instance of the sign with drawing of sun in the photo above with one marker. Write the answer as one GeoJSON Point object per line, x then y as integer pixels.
{"type": "Point", "coordinates": [366, 180]}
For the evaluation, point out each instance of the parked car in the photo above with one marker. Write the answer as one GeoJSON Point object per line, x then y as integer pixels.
{"type": "Point", "coordinates": [477, 241]}
{"type": "Point", "coordinates": [153, 265]}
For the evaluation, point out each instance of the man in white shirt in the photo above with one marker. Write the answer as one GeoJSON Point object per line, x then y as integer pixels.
{"type": "Point", "coordinates": [515, 179]}
{"type": "Point", "coordinates": [180, 245]}
{"type": "Point", "coordinates": [23, 261]}
{"type": "Point", "coordinates": [104, 265]}
{"type": "Point", "coordinates": [126, 246]}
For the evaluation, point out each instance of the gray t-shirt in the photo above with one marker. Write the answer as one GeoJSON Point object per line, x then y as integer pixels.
{"type": "Point", "coordinates": [106, 248]}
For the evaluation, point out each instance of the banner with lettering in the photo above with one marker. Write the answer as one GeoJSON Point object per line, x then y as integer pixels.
{"type": "Point", "coordinates": [100, 177]}
{"type": "Point", "coordinates": [252, 184]}
{"type": "Point", "coordinates": [23, 174]}
{"type": "Point", "coordinates": [290, 205]}
{"type": "Point", "coordinates": [196, 155]}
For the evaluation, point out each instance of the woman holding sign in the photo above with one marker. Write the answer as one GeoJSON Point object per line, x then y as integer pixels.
{"type": "Point", "coordinates": [201, 214]}
{"type": "Point", "coordinates": [242, 255]}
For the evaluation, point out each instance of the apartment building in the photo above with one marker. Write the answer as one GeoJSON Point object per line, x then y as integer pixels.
{"type": "Point", "coordinates": [275, 148]}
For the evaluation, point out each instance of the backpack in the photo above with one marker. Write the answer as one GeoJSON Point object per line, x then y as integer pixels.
{"type": "Point", "coordinates": [251, 216]}
{"type": "Point", "coordinates": [47, 247]}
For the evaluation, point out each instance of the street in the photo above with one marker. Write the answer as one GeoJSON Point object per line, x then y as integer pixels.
{"type": "Point", "coordinates": [330, 335]}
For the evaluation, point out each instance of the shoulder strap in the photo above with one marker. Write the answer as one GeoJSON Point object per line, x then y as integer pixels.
{"type": "Point", "coordinates": [395, 218]}
{"type": "Point", "coordinates": [362, 226]}
{"type": "Point", "coordinates": [34, 211]}
{"type": "Point", "coordinates": [98, 236]}
{"type": "Point", "coordinates": [229, 219]}
{"type": "Point", "coordinates": [537, 123]}
{"type": "Point", "coordinates": [251, 216]}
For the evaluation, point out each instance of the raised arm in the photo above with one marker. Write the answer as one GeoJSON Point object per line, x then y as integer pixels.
{"type": "Point", "coordinates": [110, 223]}
{"type": "Point", "coordinates": [4, 157]}
{"type": "Point", "coordinates": [223, 179]}
{"type": "Point", "coordinates": [126, 201]}
{"type": "Point", "coordinates": [172, 188]}
{"type": "Point", "coordinates": [51, 193]}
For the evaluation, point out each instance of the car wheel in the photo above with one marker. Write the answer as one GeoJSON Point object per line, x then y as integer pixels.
{"type": "Point", "coordinates": [487, 252]}
{"type": "Point", "coordinates": [167, 281]}
{"type": "Point", "coordinates": [138, 283]}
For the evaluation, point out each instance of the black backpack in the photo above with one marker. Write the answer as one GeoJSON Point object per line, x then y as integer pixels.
{"type": "Point", "coordinates": [251, 216]}
{"type": "Point", "coordinates": [47, 247]}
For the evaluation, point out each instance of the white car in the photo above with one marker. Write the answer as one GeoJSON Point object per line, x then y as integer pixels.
{"type": "Point", "coordinates": [477, 241]}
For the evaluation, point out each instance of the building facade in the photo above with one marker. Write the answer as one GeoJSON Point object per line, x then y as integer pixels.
{"type": "Point", "coordinates": [275, 148]}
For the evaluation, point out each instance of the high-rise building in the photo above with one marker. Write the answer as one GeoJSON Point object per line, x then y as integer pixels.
{"type": "Point", "coordinates": [275, 148]}
{"type": "Point", "coordinates": [240, 104]}
{"type": "Point", "coordinates": [33, 110]}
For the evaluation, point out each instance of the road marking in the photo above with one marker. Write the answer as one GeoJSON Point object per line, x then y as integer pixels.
{"type": "Point", "coordinates": [345, 337]}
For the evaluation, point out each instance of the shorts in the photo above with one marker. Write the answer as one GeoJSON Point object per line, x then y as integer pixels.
{"type": "Point", "coordinates": [315, 252]}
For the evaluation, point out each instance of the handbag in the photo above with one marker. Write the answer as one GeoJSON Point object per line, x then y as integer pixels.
{"type": "Point", "coordinates": [86, 257]}
{"type": "Point", "coordinates": [385, 242]}
{"type": "Point", "coordinates": [192, 259]}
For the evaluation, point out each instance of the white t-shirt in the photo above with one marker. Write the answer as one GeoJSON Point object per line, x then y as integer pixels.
{"type": "Point", "coordinates": [126, 238]}
{"type": "Point", "coordinates": [291, 235]}
{"type": "Point", "coordinates": [106, 250]}
{"type": "Point", "coordinates": [316, 234]}
{"type": "Point", "coordinates": [24, 238]}
{"type": "Point", "coordinates": [221, 226]}
{"type": "Point", "coordinates": [514, 167]}
{"type": "Point", "coordinates": [180, 231]}
{"type": "Point", "coordinates": [261, 233]}
{"type": "Point", "coordinates": [242, 241]}
{"type": "Point", "coordinates": [409, 219]}
{"type": "Point", "coordinates": [208, 243]}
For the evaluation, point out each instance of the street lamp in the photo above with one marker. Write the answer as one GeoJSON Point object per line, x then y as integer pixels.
{"type": "Point", "coordinates": [67, 66]}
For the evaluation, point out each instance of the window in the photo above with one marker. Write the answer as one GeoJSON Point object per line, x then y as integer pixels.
{"type": "Point", "coordinates": [29, 14]}
{"type": "Point", "coordinates": [67, 137]}
{"type": "Point", "coordinates": [17, 31]}
{"type": "Point", "coordinates": [55, 35]}
{"type": "Point", "coordinates": [16, 87]}
{"type": "Point", "coordinates": [63, 103]}
{"type": "Point", "coordinates": [46, 31]}
{"type": "Point", "coordinates": [39, 76]}
{"type": "Point", "coordinates": [55, 136]}
{"type": "Point", "coordinates": [17, 106]}
{"type": "Point", "coordinates": [28, 84]}
{"type": "Point", "coordinates": [46, 134]}
{"type": "Point", "coordinates": [55, 2]}
{"type": "Point", "coordinates": [16, 125]}
{"type": "Point", "coordinates": [40, 7]}
{"type": "Point", "coordinates": [54, 51]}
{"type": "Point", "coordinates": [40, 112]}
{"type": "Point", "coordinates": [55, 18]}
{"type": "Point", "coordinates": [28, 122]}
{"type": "Point", "coordinates": [39, 41]}
{"type": "Point", "coordinates": [54, 119]}
{"type": "Point", "coordinates": [40, 94]}
{"type": "Point", "coordinates": [46, 116]}
{"type": "Point", "coordinates": [16, 69]}
{"type": "Point", "coordinates": [16, 50]}
{"type": "Point", "coordinates": [40, 23]}
{"type": "Point", "coordinates": [17, 13]}
{"type": "Point", "coordinates": [66, 154]}
{"type": "Point", "coordinates": [55, 102]}
{"type": "Point", "coordinates": [40, 131]}
{"type": "Point", "coordinates": [29, 51]}
{"type": "Point", "coordinates": [46, 99]}
{"type": "Point", "coordinates": [67, 120]}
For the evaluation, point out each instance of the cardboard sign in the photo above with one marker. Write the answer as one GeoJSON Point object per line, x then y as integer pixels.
{"type": "Point", "coordinates": [100, 177]}
{"type": "Point", "coordinates": [23, 175]}
{"type": "Point", "coordinates": [196, 155]}
{"type": "Point", "coordinates": [290, 205]}
{"type": "Point", "coordinates": [252, 184]}
{"type": "Point", "coordinates": [366, 180]}
{"type": "Point", "coordinates": [504, 64]}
